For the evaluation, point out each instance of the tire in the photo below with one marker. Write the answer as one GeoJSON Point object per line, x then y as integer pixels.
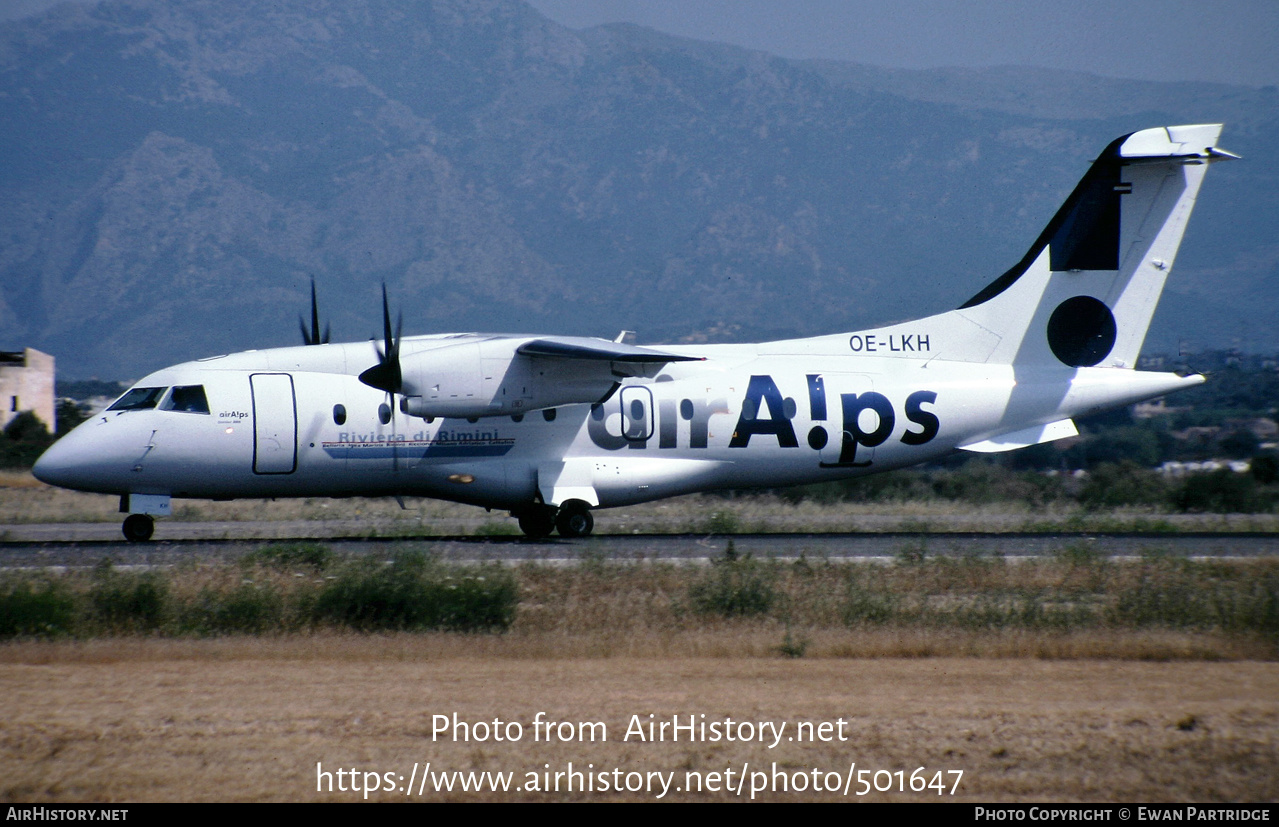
{"type": "Point", "coordinates": [574, 520]}
{"type": "Point", "coordinates": [537, 523]}
{"type": "Point", "coordinates": [138, 528]}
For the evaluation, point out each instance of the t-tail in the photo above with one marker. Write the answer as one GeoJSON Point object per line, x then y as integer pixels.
{"type": "Point", "coordinates": [1064, 327]}
{"type": "Point", "coordinates": [1084, 294]}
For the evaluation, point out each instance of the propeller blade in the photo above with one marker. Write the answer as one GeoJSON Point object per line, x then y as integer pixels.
{"type": "Point", "coordinates": [312, 336]}
{"type": "Point", "coordinates": [386, 374]}
{"type": "Point", "coordinates": [392, 341]}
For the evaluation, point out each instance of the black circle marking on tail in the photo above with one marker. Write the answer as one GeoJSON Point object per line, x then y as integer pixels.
{"type": "Point", "coordinates": [1081, 331]}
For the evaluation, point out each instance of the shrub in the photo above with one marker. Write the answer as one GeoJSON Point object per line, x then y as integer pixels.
{"type": "Point", "coordinates": [723, 522]}
{"type": "Point", "coordinates": [867, 601]}
{"type": "Point", "coordinates": [411, 592]}
{"type": "Point", "coordinates": [734, 588]}
{"type": "Point", "coordinates": [1126, 483]}
{"type": "Point", "coordinates": [43, 609]}
{"type": "Point", "coordinates": [1188, 594]}
{"type": "Point", "coordinates": [127, 602]}
{"type": "Point", "coordinates": [985, 482]}
{"type": "Point", "coordinates": [23, 440]}
{"type": "Point", "coordinates": [287, 556]}
{"type": "Point", "coordinates": [248, 608]}
{"type": "Point", "coordinates": [1265, 468]}
{"type": "Point", "coordinates": [1221, 491]}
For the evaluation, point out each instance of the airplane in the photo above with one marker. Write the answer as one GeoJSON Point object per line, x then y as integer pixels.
{"type": "Point", "coordinates": [551, 427]}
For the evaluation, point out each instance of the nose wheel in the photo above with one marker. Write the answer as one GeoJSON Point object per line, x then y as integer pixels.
{"type": "Point", "coordinates": [138, 528]}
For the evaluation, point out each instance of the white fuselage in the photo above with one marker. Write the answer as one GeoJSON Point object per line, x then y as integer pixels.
{"type": "Point", "coordinates": [297, 422]}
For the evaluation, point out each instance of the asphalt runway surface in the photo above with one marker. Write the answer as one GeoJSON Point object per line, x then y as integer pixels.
{"type": "Point", "coordinates": [672, 547]}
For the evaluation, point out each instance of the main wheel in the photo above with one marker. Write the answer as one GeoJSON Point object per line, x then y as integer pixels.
{"type": "Point", "coordinates": [138, 528]}
{"type": "Point", "coordinates": [574, 519]}
{"type": "Point", "coordinates": [537, 522]}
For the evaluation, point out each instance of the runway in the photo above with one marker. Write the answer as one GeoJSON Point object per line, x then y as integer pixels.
{"type": "Point", "coordinates": [665, 547]}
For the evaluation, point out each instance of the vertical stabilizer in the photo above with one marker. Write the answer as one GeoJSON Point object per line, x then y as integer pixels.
{"type": "Point", "coordinates": [1085, 292]}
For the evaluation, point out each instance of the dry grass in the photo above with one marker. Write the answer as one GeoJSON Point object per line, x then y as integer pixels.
{"type": "Point", "coordinates": [249, 719]}
{"type": "Point", "coordinates": [1075, 605]}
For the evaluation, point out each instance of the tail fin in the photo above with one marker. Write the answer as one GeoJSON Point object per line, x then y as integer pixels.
{"type": "Point", "coordinates": [1085, 292]}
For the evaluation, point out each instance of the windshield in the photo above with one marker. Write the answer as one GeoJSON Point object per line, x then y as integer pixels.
{"type": "Point", "coordinates": [138, 399]}
{"type": "Point", "coordinates": [188, 398]}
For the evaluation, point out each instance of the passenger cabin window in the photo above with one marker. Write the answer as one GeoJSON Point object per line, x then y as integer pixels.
{"type": "Point", "coordinates": [188, 399]}
{"type": "Point", "coordinates": [138, 399]}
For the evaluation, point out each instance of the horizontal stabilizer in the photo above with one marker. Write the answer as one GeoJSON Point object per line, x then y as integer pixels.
{"type": "Point", "coordinates": [1033, 435]}
{"type": "Point", "coordinates": [1192, 141]}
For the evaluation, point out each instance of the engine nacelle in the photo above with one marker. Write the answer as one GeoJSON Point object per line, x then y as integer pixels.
{"type": "Point", "coordinates": [487, 377]}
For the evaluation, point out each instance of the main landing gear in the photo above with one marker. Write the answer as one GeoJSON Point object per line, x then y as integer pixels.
{"type": "Point", "coordinates": [572, 519]}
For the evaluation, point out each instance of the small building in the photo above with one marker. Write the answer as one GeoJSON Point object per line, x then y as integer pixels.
{"type": "Point", "coordinates": [1153, 408]}
{"type": "Point", "coordinates": [26, 384]}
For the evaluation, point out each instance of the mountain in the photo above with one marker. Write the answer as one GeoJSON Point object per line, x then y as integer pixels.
{"type": "Point", "coordinates": [176, 171]}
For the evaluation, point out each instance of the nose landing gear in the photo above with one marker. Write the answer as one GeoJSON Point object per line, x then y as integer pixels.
{"type": "Point", "coordinates": [140, 524]}
{"type": "Point", "coordinates": [138, 528]}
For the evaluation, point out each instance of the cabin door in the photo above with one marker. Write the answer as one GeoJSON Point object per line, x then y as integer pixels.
{"type": "Point", "coordinates": [275, 424]}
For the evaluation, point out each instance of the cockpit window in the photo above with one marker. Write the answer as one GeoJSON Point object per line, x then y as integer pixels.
{"type": "Point", "coordinates": [138, 399]}
{"type": "Point", "coordinates": [189, 399]}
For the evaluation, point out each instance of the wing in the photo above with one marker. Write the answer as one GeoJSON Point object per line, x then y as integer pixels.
{"type": "Point", "coordinates": [495, 376]}
{"type": "Point", "coordinates": [598, 350]}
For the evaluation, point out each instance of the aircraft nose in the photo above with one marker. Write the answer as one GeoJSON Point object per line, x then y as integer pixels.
{"type": "Point", "coordinates": [56, 466]}
{"type": "Point", "coordinates": [82, 460]}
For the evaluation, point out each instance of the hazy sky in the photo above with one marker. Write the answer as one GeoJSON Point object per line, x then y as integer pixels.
{"type": "Point", "coordinates": [1228, 41]}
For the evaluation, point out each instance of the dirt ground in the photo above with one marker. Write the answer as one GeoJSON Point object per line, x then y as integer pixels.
{"type": "Point", "coordinates": [254, 720]}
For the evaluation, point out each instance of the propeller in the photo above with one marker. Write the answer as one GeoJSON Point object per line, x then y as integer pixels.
{"type": "Point", "coordinates": [313, 336]}
{"type": "Point", "coordinates": [386, 374]}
